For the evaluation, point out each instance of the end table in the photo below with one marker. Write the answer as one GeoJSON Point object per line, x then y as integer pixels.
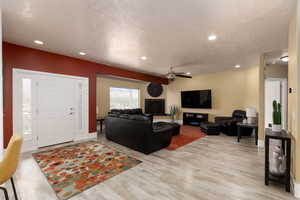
{"type": "Point", "coordinates": [241, 125]}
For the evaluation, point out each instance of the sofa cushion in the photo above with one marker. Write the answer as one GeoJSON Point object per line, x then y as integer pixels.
{"type": "Point", "coordinates": [126, 111]}
{"type": "Point", "coordinates": [139, 117]}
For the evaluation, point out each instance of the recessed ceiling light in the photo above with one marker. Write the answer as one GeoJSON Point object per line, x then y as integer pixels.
{"type": "Point", "coordinates": [144, 58]}
{"type": "Point", "coordinates": [237, 66]}
{"type": "Point", "coordinates": [188, 73]}
{"type": "Point", "coordinates": [284, 58]}
{"type": "Point", "coordinates": [38, 42]}
{"type": "Point", "coordinates": [82, 53]}
{"type": "Point", "coordinates": [212, 37]}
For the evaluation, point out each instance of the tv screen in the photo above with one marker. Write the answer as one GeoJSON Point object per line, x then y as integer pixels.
{"type": "Point", "coordinates": [196, 99]}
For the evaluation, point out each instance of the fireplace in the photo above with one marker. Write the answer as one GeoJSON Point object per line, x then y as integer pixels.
{"type": "Point", "coordinates": [155, 106]}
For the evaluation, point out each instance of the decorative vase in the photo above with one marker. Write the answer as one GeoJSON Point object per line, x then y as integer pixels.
{"type": "Point", "coordinates": [276, 127]}
{"type": "Point", "coordinates": [277, 162]}
{"type": "Point", "coordinates": [173, 119]}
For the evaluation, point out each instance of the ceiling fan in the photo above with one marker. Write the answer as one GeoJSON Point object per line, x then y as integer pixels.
{"type": "Point", "coordinates": [171, 75]}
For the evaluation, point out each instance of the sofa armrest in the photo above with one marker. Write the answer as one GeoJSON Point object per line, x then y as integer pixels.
{"type": "Point", "coordinates": [159, 139]}
{"type": "Point", "coordinates": [149, 115]}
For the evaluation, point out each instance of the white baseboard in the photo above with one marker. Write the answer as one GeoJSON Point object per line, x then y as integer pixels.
{"type": "Point", "coordinates": [86, 136]}
{"type": "Point", "coordinates": [295, 187]}
{"type": "Point", "coordinates": [28, 148]}
{"type": "Point", "coordinates": [261, 144]}
{"type": "Point", "coordinates": [179, 121]}
{"type": "Point", "coordinates": [29, 145]}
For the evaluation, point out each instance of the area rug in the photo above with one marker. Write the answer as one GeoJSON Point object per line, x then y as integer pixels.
{"type": "Point", "coordinates": [187, 135]}
{"type": "Point", "coordinates": [75, 168]}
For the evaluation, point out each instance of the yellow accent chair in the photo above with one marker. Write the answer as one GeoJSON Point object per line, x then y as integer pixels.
{"type": "Point", "coordinates": [9, 163]}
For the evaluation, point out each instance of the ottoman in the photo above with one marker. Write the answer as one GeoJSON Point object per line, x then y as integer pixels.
{"type": "Point", "coordinates": [210, 128]}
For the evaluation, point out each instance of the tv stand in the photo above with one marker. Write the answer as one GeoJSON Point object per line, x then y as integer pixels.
{"type": "Point", "coordinates": [194, 119]}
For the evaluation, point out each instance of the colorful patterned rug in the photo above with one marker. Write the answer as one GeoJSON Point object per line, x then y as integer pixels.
{"type": "Point", "coordinates": [187, 135]}
{"type": "Point", "coordinates": [75, 168]}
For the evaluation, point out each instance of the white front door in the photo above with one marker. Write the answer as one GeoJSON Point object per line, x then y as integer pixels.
{"type": "Point", "coordinates": [56, 110]}
{"type": "Point", "coordinates": [49, 108]}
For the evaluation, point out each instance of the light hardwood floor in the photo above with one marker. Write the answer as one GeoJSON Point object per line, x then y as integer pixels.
{"type": "Point", "coordinates": [211, 168]}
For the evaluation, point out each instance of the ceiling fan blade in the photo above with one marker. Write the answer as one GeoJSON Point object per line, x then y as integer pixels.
{"type": "Point", "coordinates": [183, 76]}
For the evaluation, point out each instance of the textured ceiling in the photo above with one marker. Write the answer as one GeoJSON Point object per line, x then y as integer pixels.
{"type": "Point", "coordinates": [168, 32]}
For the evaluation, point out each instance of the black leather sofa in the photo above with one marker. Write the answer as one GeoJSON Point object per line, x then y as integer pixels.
{"type": "Point", "coordinates": [228, 124]}
{"type": "Point", "coordinates": [136, 130]}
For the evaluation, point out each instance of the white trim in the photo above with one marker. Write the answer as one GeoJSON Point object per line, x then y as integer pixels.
{"type": "Point", "coordinates": [261, 144]}
{"type": "Point", "coordinates": [48, 74]}
{"type": "Point", "coordinates": [86, 136]}
{"type": "Point", "coordinates": [28, 148]}
{"type": "Point", "coordinates": [295, 187]}
{"type": "Point", "coordinates": [179, 121]}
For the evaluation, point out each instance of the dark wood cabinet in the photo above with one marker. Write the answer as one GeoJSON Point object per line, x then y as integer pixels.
{"type": "Point", "coordinates": [285, 139]}
{"type": "Point", "coordinates": [194, 119]}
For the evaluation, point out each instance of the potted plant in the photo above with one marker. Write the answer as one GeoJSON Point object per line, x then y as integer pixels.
{"type": "Point", "coordinates": [276, 126]}
{"type": "Point", "coordinates": [173, 111]}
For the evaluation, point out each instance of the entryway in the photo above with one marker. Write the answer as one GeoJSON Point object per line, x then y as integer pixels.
{"type": "Point", "coordinates": [49, 108]}
{"type": "Point", "coordinates": [276, 89]}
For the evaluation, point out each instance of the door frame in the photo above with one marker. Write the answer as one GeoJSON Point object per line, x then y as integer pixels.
{"type": "Point", "coordinates": [82, 95]}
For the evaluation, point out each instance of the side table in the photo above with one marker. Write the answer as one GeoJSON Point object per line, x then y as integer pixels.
{"type": "Point", "coordinates": [241, 125]}
{"type": "Point", "coordinates": [286, 147]}
{"type": "Point", "coordinates": [101, 120]}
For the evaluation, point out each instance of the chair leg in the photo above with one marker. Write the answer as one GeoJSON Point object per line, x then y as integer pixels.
{"type": "Point", "coordinates": [5, 193]}
{"type": "Point", "coordinates": [14, 188]}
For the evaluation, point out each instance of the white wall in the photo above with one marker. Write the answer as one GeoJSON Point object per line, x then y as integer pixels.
{"type": "Point", "coordinates": [1, 90]}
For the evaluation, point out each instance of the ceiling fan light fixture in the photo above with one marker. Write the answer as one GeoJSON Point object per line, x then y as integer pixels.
{"type": "Point", "coordinates": [188, 73]}
{"type": "Point", "coordinates": [171, 76]}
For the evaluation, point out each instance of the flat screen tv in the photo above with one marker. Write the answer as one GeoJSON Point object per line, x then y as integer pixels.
{"type": "Point", "coordinates": [196, 99]}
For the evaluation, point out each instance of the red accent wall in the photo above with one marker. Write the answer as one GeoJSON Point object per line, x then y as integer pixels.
{"type": "Point", "coordinates": [15, 56]}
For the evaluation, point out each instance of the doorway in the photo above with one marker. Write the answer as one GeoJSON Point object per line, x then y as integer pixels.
{"type": "Point", "coordinates": [49, 108]}
{"type": "Point", "coordinates": [276, 89]}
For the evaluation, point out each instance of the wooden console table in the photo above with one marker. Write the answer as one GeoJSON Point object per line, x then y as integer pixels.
{"type": "Point", "coordinates": [286, 146]}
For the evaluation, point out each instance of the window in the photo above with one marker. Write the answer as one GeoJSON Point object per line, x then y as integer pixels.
{"type": "Point", "coordinates": [26, 107]}
{"type": "Point", "coordinates": [124, 98]}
